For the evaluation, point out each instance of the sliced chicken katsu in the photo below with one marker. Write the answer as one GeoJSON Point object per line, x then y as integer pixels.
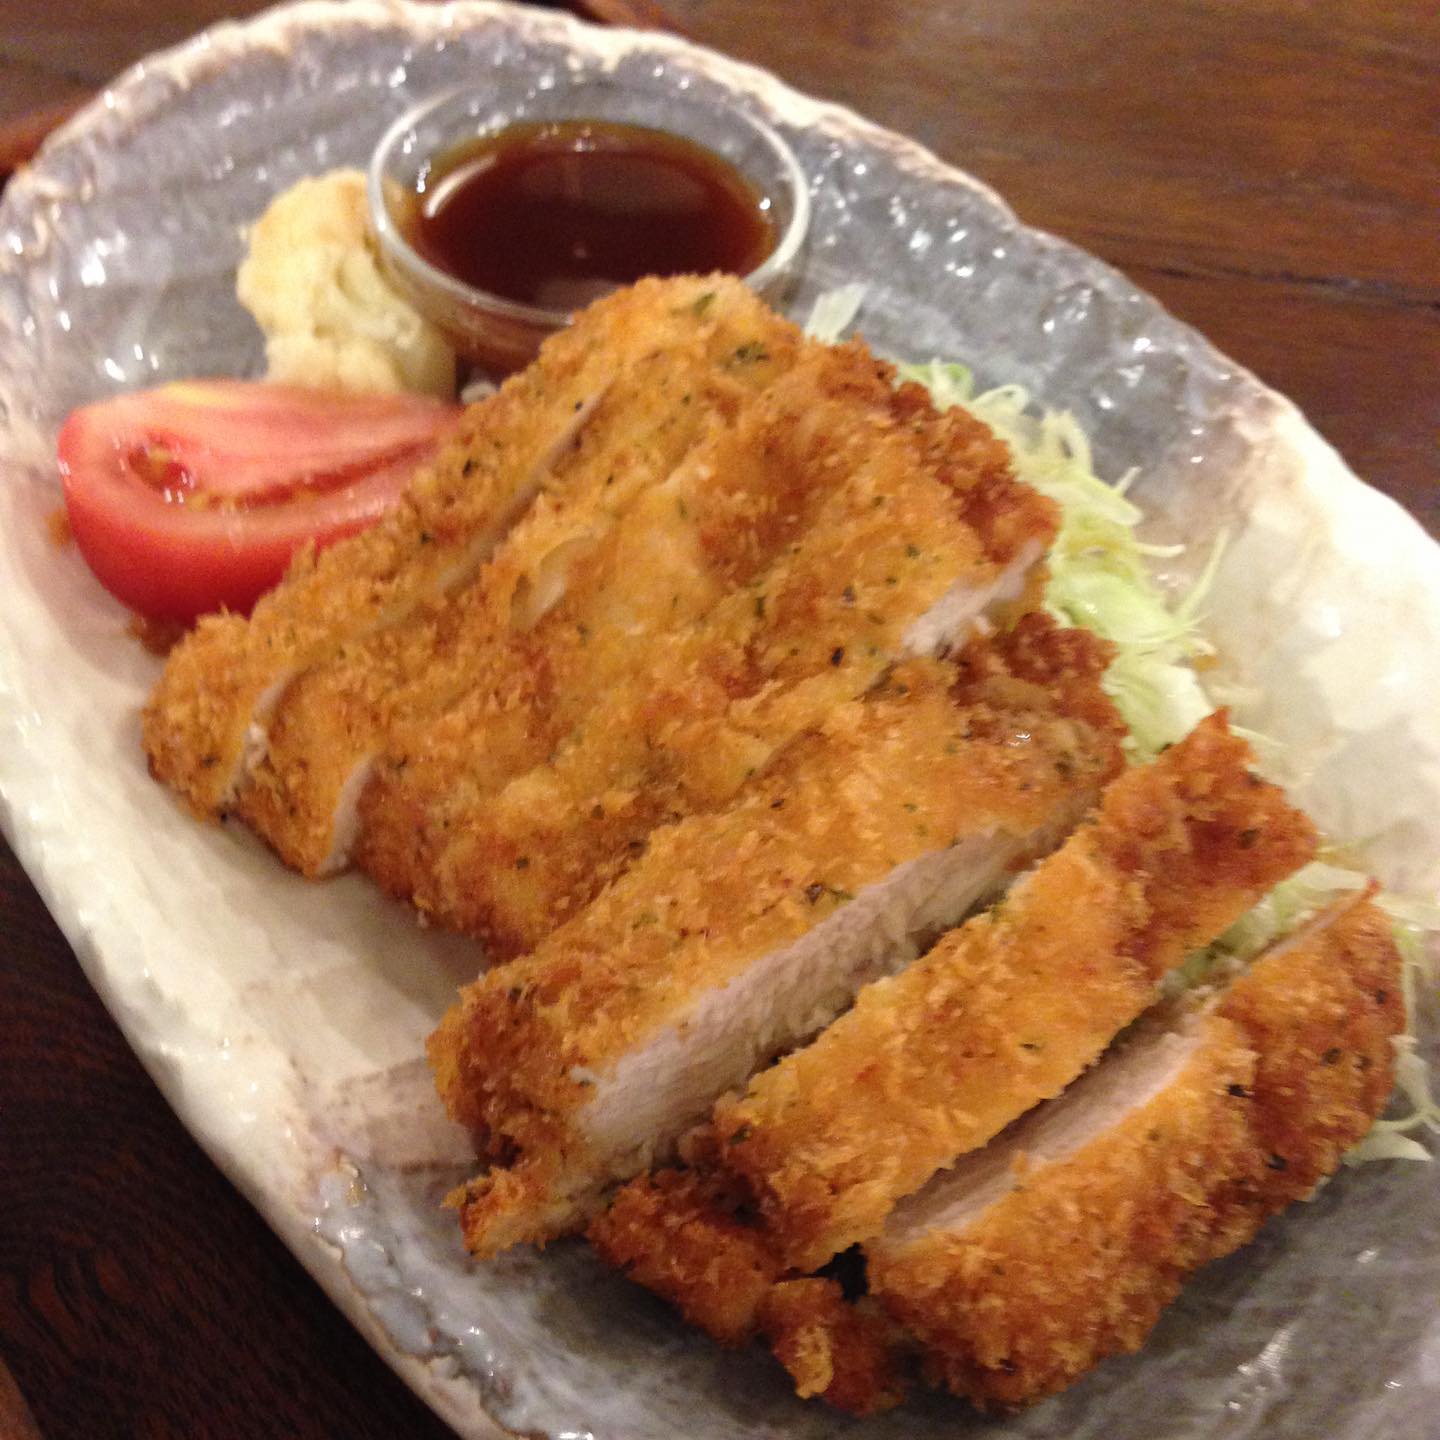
{"type": "Point", "coordinates": [1320, 1010]}
{"type": "Point", "coordinates": [206, 720]}
{"type": "Point", "coordinates": [630, 534]}
{"type": "Point", "coordinates": [1007, 1010]}
{"type": "Point", "coordinates": [1030, 1261]}
{"type": "Point", "coordinates": [933, 1062]}
{"type": "Point", "coordinates": [897, 531]}
{"type": "Point", "coordinates": [743, 932]}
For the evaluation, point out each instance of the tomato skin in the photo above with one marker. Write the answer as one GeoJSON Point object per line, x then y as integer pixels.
{"type": "Point", "coordinates": [193, 497]}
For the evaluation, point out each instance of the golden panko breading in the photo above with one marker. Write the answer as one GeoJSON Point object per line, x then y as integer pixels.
{"type": "Point", "coordinates": [537, 633]}
{"type": "Point", "coordinates": [1320, 1011]}
{"type": "Point", "coordinates": [858, 511]}
{"type": "Point", "coordinates": [225, 678]}
{"type": "Point", "coordinates": [1006, 1011]}
{"type": "Point", "coordinates": [1076, 1258]}
{"type": "Point", "coordinates": [678, 1233]}
{"type": "Point", "coordinates": [684, 1235]}
{"type": "Point", "coordinates": [702, 675]}
{"type": "Point", "coordinates": [743, 932]}
{"type": "Point", "coordinates": [842, 1353]}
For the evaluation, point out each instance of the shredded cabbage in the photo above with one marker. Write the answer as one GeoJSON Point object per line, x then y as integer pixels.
{"type": "Point", "coordinates": [833, 311]}
{"type": "Point", "coordinates": [1100, 579]}
{"type": "Point", "coordinates": [1099, 571]}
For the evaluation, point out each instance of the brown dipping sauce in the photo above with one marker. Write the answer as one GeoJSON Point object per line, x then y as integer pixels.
{"type": "Point", "coordinates": [554, 214]}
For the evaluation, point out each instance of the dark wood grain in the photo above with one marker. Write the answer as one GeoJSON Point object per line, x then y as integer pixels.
{"type": "Point", "coordinates": [1269, 170]}
{"type": "Point", "coordinates": [636, 14]}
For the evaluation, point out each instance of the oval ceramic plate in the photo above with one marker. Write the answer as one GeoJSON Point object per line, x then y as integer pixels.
{"type": "Point", "coordinates": [285, 1021]}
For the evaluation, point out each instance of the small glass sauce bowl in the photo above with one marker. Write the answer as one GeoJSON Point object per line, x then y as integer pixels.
{"type": "Point", "coordinates": [499, 334]}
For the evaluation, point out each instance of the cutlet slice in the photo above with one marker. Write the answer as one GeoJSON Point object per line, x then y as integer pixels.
{"type": "Point", "coordinates": [1001, 1014]}
{"type": "Point", "coordinates": [680, 1234]}
{"type": "Point", "coordinates": [683, 1235]}
{"type": "Point", "coordinates": [904, 529]}
{"type": "Point", "coordinates": [743, 932]}
{"type": "Point", "coordinates": [539, 628]}
{"type": "Point", "coordinates": [841, 1352]}
{"type": "Point", "coordinates": [1030, 1261]}
{"type": "Point", "coordinates": [1007, 1010]}
{"type": "Point", "coordinates": [205, 722]}
{"type": "Point", "coordinates": [1320, 1009]}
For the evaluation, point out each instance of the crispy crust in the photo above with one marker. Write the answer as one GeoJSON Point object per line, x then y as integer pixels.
{"type": "Point", "coordinates": [685, 1236]}
{"type": "Point", "coordinates": [858, 507]}
{"type": "Point", "coordinates": [534, 635]}
{"type": "Point", "coordinates": [1079, 1259]}
{"type": "Point", "coordinates": [922, 761]}
{"type": "Point", "coordinates": [500, 690]}
{"type": "Point", "coordinates": [678, 1233]}
{"type": "Point", "coordinates": [1320, 1011]}
{"type": "Point", "coordinates": [841, 1353]}
{"type": "Point", "coordinates": [229, 670]}
{"type": "Point", "coordinates": [1006, 1011]}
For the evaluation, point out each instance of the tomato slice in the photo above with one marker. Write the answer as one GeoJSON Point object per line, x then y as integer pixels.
{"type": "Point", "coordinates": [193, 497]}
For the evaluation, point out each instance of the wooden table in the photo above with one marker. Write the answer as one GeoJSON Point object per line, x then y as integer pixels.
{"type": "Point", "coordinates": [1270, 170]}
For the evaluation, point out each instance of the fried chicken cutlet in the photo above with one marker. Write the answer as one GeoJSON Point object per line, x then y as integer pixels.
{"type": "Point", "coordinates": [1007, 1010]}
{"type": "Point", "coordinates": [205, 723]}
{"type": "Point", "coordinates": [741, 933]}
{"type": "Point", "coordinates": [1031, 1261]}
{"type": "Point", "coordinates": [1061, 1242]}
{"type": "Point", "coordinates": [642, 525]}
{"type": "Point", "coordinates": [896, 531]}
{"type": "Point", "coordinates": [933, 1062]}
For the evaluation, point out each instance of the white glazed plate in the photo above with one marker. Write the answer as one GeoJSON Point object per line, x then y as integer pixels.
{"type": "Point", "coordinates": [285, 1021]}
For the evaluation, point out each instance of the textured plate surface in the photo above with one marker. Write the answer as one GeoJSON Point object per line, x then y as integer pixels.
{"type": "Point", "coordinates": [284, 1021]}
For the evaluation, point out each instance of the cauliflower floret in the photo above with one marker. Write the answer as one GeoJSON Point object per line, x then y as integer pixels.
{"type": "Point", "coordinates": [312, 281]}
